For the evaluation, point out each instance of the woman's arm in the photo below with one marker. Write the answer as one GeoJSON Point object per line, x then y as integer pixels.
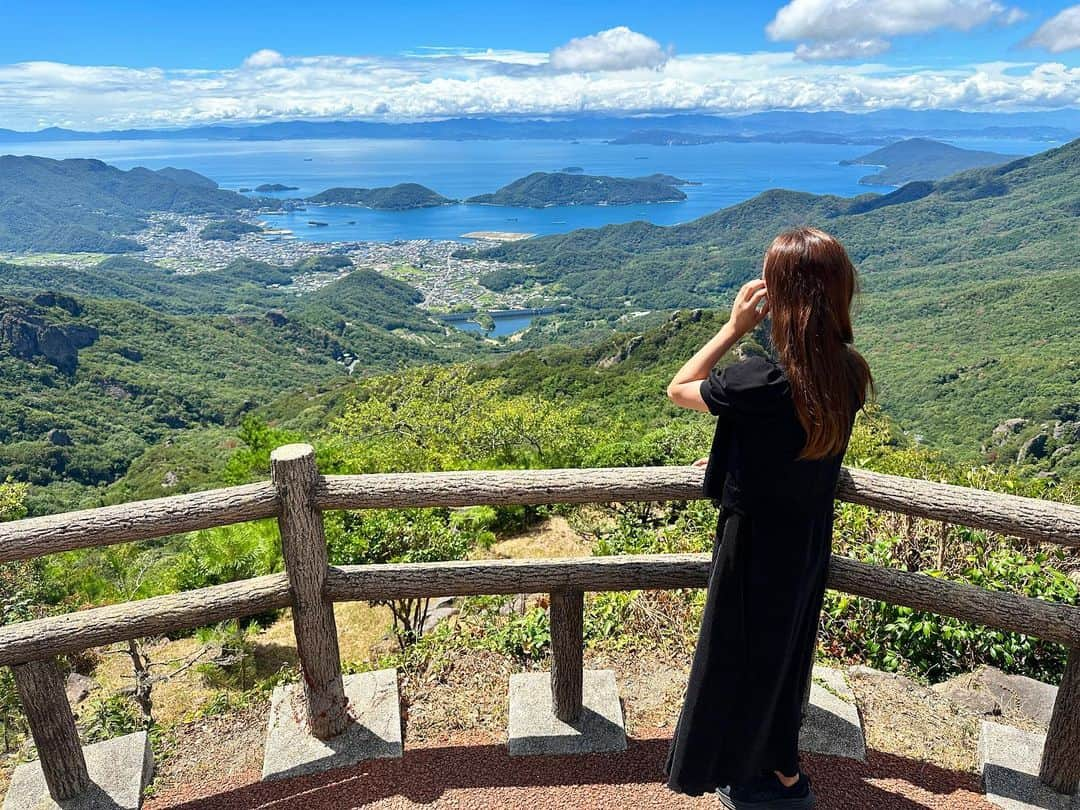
{"type": "Point", "coordinates": [685, 387]}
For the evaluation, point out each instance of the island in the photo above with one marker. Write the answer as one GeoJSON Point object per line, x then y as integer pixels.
{"type": "Point", "coordinates": [275, 187]}
{"type": "Point", "coordinates": [922, 159]}
{"type": "Point", "coordinates": [572, 170]}
{"type": "Point", "coordinates": [401, 197]}
{"type": "Point", "coordinates": [543, 190]}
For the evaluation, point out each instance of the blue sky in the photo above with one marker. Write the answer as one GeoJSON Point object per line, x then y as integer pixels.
{"type": "Point", "coordinates": [200, 34]}
{"type": "Point", "coordinates": [99, 65]}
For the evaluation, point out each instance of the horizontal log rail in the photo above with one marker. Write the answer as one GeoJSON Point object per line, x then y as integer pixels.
{"type": "Point", "coordinates": [138, 520]}
{"type": "Point", "coordinates": [298, 495]}
{"type": "Point", "coordinates": [1025, 518]}
{"type": "Point", "coordinates": [95, 627]}
{"type": "Point", "coordinates": [1006, 611]}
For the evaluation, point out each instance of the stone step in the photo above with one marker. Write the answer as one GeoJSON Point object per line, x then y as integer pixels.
{"type": "Point", "coordinates": [1009, 760]}
{"type": "Point", "coordinates": [374, 730]}
{"type": "Point", "coordinates": [119, 770]}
{"type": "Point", "coordinates": [832, 724]}
{"type": "Point", "coordinates": [534, 728]}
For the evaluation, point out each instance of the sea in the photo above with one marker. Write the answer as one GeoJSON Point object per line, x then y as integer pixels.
{"type": "Point", "coordinates": [724, 174]}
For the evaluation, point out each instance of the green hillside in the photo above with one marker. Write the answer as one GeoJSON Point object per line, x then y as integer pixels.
{"type": "Point", "coordinates": [86, 205]}
{"type": "Point", "coordinates": [996, 244]}
{"type": "Point", "coordinates": [542, 189]}
{"type": "Point", "coordinates": [401, 197]}
{"type": "Point", "coordinates": [922, 159]}
{"type": "Point", "coordinates": [124, 357]}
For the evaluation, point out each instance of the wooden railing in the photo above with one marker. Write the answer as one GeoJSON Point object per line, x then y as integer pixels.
{"type": "Point", "coordinates": [297, 495]}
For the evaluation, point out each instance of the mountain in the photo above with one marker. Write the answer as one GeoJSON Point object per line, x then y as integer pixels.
{"type": "Point", "coordinates": [401, 197]}
{"type": "Point", "coordinates": [1050, 125]}
{"type": "Point", "coordinates": [87, 205]}
{"type": "Point", "coordinates": [970, 283]}
{"type": "Point", "coordinates": [186, 177]}
{"type": "Point", "coordinates": [99, 364]}
{"type": "Point", "coordinates": [922, 159]}
{"type": "Point", "coordinates": [543, 189]}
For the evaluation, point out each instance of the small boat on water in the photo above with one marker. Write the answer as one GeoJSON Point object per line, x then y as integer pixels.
{"type": "Point", "coordinates": [315, 223]}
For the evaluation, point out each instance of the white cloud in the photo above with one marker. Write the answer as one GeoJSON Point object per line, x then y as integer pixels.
{"type": "Point", "coordinates": [841, 49]}
{"type": "Point", "coordinates": [845, 29]}
{"type": "Point", "coordinates": [615, 49]}
{"type": "Point", "coordinates": [447, 83]}
{"type": "Point", "coordinates": [264, 58]}
{"type": "Point", "coordinates": [1058, 34]}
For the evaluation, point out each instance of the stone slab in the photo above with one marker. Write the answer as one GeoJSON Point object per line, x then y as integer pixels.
{"type": "Point", "coordinates": [534, 728]}
{"type": "Point", "coordinates": [373, 733]}
{"type": "Point", "coordinates": [832, 724]}
{"type": "Point", "coordinates": [1009, 760]}
{"type": "Point", "coordinates": [989, 691]}
{"type": "Point", "coordinates": [119, 770]}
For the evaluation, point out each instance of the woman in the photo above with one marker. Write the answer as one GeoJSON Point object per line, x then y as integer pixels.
{"type": "Point", "coordinates": [782, 430]}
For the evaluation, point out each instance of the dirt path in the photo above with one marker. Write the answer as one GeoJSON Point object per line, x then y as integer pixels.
{"type": "Point", "coordinates": [476, 773]}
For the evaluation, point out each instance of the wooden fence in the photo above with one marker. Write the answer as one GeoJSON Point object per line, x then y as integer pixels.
{"type": "Point", "coordinates": [297, 496]}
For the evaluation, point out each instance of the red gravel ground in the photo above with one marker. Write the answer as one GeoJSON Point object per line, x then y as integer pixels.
{"type": "Point", "coordinates": [480, 775]}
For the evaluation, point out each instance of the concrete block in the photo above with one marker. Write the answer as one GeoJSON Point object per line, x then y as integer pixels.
{"type": "Point", "coordinates": [534, 728]}
{"type": "Point", "coordinates": [374, 731]}
{"type": "Point", "coordinates": [832, 724]}
{"type": "Point", "coordinates": [1009, 760]}
{"type": "Point", "coordinates": [119, 770]}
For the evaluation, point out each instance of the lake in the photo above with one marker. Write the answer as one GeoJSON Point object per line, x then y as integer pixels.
{"type": "Point", "coordinates": [728, 173]}
{"type": "Point", "coordinates": [505, 324]}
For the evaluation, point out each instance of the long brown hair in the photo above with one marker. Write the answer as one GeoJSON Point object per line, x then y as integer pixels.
{"type": "Point", "coordinates": [811, 283]}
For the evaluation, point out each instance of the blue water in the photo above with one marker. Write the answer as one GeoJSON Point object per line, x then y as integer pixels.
{"type": "Point", "coordinates": [728, 172]}
{"type": "Point", "coordinates": [504, 325]}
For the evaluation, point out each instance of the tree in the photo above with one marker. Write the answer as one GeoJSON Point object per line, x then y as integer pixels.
{"type": "Point", "coordinates": [437, 418]}
{"type": "Point", "coordinates": [399, 536]}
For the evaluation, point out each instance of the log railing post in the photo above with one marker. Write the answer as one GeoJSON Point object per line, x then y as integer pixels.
{"type": "Point", "coordinates": [303, 541]}
{"type": "Point", "coordinates": [567, 612]}
{"type": "Point", "coordinates": [1060, 767]}
{"type": "Point", "coordinates": [45, 704]}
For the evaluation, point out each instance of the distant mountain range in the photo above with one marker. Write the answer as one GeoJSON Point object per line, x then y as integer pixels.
{"type": "Point", "coordinates": [922, 159]}
{"type": "Point", "coordinates": [667, 137]}
{"type": "Point", "coordinates": [1052, 125]}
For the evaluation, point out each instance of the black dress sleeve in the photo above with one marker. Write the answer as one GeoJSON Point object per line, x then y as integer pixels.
{"type": "Point", "coordinates": [714, 393]}
{"type": "Point", "coordinates": [746, 384]}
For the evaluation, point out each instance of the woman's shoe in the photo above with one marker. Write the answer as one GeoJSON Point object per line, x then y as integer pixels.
{"type": "Point", "coordinates": [768, 793]}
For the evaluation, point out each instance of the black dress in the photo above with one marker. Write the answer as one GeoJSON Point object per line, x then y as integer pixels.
{"type": "Point", "coordinates": [755, 650]}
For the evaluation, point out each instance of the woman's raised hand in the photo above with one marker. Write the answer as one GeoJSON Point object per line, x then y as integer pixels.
{"type": "Point", "coordinates": [750, 307]}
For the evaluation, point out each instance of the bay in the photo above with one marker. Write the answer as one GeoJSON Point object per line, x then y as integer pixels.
{"type": "Point", "coordinates": [728, 173]}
